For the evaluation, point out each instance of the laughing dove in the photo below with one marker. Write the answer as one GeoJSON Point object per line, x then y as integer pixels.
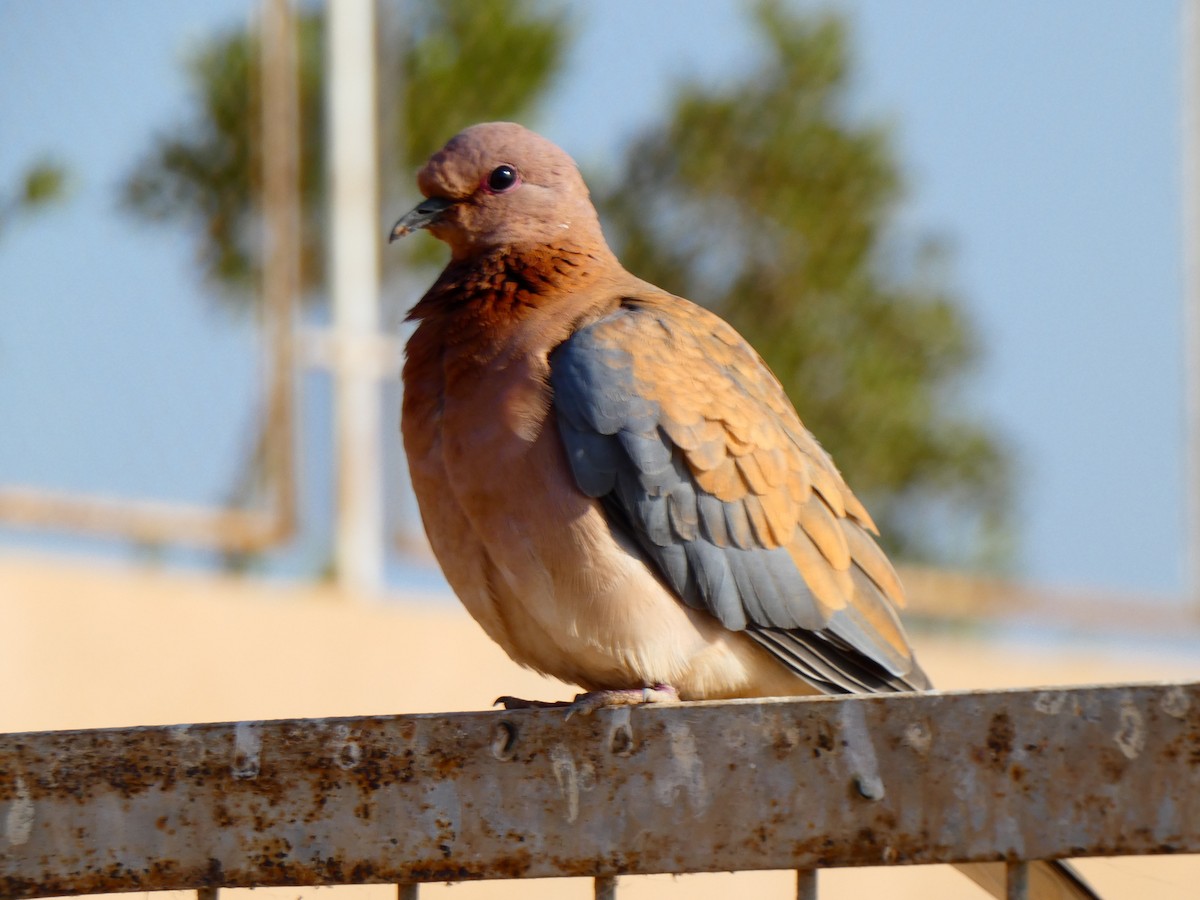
{"type": "Point", "coordinates": [613, 481]}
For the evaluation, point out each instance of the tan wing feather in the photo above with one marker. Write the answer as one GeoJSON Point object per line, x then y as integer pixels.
{"type": "Point", "coordinates": [744, 444]}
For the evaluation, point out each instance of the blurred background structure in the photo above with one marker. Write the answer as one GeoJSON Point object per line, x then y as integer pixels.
{"type": "Point", "coordinates": [958, 232]}
{"type": "Point", "coordinates": [956, 235]}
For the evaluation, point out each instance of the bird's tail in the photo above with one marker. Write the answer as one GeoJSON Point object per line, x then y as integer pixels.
{"type": "Point", "coordinates": [1047, 880]}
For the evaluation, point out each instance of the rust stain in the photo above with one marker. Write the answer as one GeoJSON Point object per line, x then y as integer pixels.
{"type": "Point", "coordinates": [1000, 737]}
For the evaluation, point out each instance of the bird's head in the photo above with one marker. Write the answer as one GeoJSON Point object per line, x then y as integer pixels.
{"type": "Point", "coordinates": [501, 185]}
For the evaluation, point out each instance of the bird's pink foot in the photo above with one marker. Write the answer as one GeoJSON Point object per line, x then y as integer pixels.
{"type": "Point", "coordinates": [586, 704]}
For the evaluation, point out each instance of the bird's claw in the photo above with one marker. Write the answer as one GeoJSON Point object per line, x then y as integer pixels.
{"type": "Point", "coordinates": [586, 704]}
{"type": "Point", "coordinates": [519, 703]}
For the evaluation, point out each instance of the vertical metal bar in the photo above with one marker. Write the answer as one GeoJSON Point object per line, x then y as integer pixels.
{"type": "Point", "coordinates": [1190, 30]}
{"type": "Point", "coordinates": [1016, 880]}
{"type": "Point", "coordinates": [806, 884]}
{"type": "Point", "coordinates": [355, 237]}
{"type": "Point", "coordinates": [281, 268]}
{"type": "Point", "coordinates": [606, 887]}
{"type": "Point", "coordinates": [206, 893]}
{"type": "Point", "coordinates": [408, 891]}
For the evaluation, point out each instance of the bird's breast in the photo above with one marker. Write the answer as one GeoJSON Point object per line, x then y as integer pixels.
{"type": "Point", "coordinates": [534, 560]}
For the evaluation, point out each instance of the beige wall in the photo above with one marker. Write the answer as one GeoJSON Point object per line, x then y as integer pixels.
{"type": "Point", "coordinates": [89, 645]}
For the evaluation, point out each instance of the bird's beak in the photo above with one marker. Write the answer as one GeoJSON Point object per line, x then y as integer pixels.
{"type": "Point", "coordinates": [422, 216]}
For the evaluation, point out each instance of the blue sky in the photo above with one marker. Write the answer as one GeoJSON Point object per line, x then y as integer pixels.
{"type": "Point", "coordinates": [1041, 139]}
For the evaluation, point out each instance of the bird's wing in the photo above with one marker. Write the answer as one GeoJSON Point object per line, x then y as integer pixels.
{"type": "Point", "coordinates": [672, 420]}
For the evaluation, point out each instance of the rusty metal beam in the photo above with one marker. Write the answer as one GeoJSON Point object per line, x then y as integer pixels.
{"type": "Point", "coordinates": [774, 784]}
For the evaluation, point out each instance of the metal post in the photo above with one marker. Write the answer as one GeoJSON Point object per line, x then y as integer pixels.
{"type": "Point", "coordinates": [1190, 28]}
{"type": "Point", "coordinates": [355, 282]}
{"type": "Point", "coordinates": [806, 884]}
{"type": "Point", "coordinates": [281, 270]}
{"type": "Point", "coordinates": [1016, 881]}
{"type": "Point", "coordinates": [606, 887]}
{"type": "Point", "coordinates": [408, 891]}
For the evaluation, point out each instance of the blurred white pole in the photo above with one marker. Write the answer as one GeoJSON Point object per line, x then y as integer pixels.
{"type": "Point", "coordinates": [355, 282]}
{"type": "Point", "coordinates": [1190, 27]}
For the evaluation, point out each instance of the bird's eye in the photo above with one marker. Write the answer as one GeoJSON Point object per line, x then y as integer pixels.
{"type": "Point", "coordinates": [503, 178]}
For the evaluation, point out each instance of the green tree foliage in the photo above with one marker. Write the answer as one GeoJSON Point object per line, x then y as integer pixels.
{"type": "Point", "coordinates": [458, 61]}
{"type": "Point", "coordinates": [39, 186]}
{"type": "Point", "coordinates": [767, 201]}
{"type": "Point", "coordinates": [206, 172]}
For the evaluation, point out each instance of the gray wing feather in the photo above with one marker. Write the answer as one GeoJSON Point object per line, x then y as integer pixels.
{"type": "Point", "coordinates": [704, 549]}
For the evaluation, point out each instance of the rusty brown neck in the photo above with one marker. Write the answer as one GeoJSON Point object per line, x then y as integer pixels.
{"type": "Point", "coordinates": [505, 304]}
{"type": "Point", "coordinates": [506, 285]}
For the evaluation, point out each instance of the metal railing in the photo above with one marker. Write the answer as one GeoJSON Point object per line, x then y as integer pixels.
{"type": "Point", "coordinates": [803, 784]}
